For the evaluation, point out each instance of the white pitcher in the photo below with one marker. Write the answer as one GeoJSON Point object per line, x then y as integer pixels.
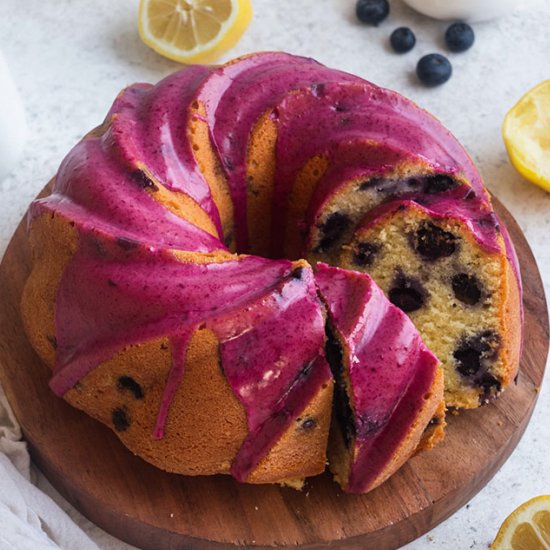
{"type": "Point", "coordinates": [13, 127]}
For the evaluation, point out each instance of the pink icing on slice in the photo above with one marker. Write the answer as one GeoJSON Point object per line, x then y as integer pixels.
{"type": "Point", "coordinates": [478, 218]}
{"type": "Point", "coordinates": [389, 367]}
{"type": "Point", "coordinates": [311, 123]}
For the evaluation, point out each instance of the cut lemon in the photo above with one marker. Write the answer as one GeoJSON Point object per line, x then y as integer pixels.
{"type": "Point", "coordinates": [527, 527]}
{"type": "Point", "coordinates": [193, 31]}
{"type": "Point", "coordinates": [526, 132]}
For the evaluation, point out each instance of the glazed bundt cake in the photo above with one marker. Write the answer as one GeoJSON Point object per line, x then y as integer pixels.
{"type": "Point", "coordinates": [169, 297]}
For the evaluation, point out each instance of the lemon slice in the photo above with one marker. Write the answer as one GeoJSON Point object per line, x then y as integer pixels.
{"type": "Point", "coordinates": [527, 527]}
{"type": "Point", "coordinates": [526, 132]}
{"type": "Point", "coordinates": [193, 31]}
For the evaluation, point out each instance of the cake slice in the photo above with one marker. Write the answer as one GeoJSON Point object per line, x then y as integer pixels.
{"type": "Point", "coordinates": [447, 269]}
{"type": "Point", "coordinates": [388, 388]}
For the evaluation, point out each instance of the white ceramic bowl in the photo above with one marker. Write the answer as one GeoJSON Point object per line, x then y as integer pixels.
{"type": "Point", "coordinates": [464, 10]}
{"type": "Point", "coordinates": [13, 127]}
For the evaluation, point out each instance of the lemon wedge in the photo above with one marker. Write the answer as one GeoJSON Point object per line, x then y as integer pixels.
{"type": "Point", "coordinates": [527, 527]}
{"type": "Point", "coordinates": [526, 132]}
{"type": "Point", "coordinates": [193, 31]}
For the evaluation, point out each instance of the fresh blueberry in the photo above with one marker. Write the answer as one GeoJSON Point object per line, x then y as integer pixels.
{"type": "Point", "coordinates": [402, 40]}
{"type": "Point", "coordinates": [434, 69]}
{"type": "Point", "coordinates": [372, 11]}
{"type": "Point", "coordinates": [459, 37]}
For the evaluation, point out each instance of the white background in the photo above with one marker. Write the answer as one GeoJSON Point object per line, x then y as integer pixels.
{"type": "Point", "coordinates": [70, 58]}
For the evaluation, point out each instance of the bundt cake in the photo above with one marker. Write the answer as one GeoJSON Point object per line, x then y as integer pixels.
{"type": "Point", "coordinates": [169, 295]}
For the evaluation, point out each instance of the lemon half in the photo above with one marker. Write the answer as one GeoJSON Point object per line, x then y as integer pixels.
{"type": "Point", "coordinates": [527, 527]}
{"type": "Point", "coordinates": [526, 132]}
{"type": "Point", "coordinates": [193, 31]}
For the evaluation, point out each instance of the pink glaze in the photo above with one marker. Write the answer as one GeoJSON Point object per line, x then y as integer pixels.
{"type": "Point", "coordinates": [151, 132]}
{"type": "Point", "coordinates": [390, 368]}
{"type": "Point", "coordinates": [266, 316]}
{"type": "Point", "coordinates": [236, 95]}
{"type": "Point", "coordinates": [101, 196]}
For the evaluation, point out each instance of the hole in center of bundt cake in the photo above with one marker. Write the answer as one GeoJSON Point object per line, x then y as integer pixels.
{"type": "Point", "coordinates": [343, 414]}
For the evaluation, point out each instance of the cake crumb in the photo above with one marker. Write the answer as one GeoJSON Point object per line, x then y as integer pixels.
{"type": "Point", "coordinates": [172, 515]}
{"type": "Point", "coordinates": [255, 508]}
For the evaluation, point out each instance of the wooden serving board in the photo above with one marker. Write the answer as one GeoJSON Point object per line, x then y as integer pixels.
{"type": "Point", "coordinates": [155, 510]}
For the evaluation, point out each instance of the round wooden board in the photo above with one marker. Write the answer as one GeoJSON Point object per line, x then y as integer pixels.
{"type": "Point", "coordinates": [152, 509]}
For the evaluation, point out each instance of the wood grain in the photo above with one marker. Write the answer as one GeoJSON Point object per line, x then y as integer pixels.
{"type": "Point", "coordinates": [154, 510]}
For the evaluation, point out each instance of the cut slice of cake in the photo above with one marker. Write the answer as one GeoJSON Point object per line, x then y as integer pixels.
{"type": "Point", "coordinates": [389, 386]}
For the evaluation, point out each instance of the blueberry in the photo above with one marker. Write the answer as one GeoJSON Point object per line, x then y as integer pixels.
{"type": "Point", "coordinates": [332, 230]}
{"type": "Point", "coordinates": [309, 424]}
{"type": "Point", "coordinates": [143, 180]}
{"type": "Point", "coordinates": [438, 183]}
{"type": "Point", "coordinates": [434, 69]}
{"type": "Point", "coordinates": [467, 288]}
{"type": "Point", "coordinates": [433, 243]}
{"type": "Point", "coordinates": [402, 40]}
{"type": "Point", "coordinates": [474, 353]}
{"type": "Point", "coordinates": [407, 293]}
{"type": "Point", "coordinates": [120, 419]}
{"type": "Point", "coordinates": [372, 11]}
{"type": "Point", "coordinates": [364, 253]}
{"type": "Point", "coordinates": [459, 37]}
{"type": "Point", "coordinates": [127, 383]}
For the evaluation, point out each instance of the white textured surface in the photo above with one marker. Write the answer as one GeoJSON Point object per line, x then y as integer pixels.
{"type": "Point", "coordinates": [70, 58]}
